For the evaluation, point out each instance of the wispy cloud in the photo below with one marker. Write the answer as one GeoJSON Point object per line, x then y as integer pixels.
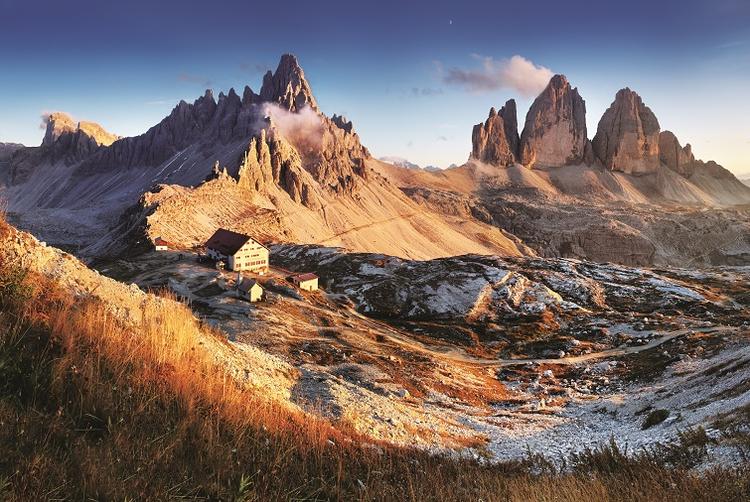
{"type": "Point", "coordinates": [253, 68]}
{"type": "Point", "coordinates": [425, 91]}
{"type": "Point", "coordinates": [516, 73]}
{"type": "Point", "coordinates": [733, 44]}
{"type": "Point", "coordinates": [194, 79]}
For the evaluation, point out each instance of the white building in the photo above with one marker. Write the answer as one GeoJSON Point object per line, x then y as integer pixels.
{"type": "Point", "coordinates": [160, 244]}
{"type": "Point", "coordinates": [249, 289]}
{"type": "Point", "coordinates": [307, 282]}
{"type": "Point", "coordinates": [238, 251]}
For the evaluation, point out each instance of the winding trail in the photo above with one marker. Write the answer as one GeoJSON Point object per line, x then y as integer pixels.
{"type": "Point", "coordinates": [458, 355]}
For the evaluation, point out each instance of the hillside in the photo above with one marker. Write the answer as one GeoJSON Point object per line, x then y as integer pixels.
{"type": "Point", "coordinates": [99, 379]}
{"type": "Point", "coordinates": [586, 212]}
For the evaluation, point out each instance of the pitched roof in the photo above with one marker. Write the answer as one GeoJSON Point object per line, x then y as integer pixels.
{"type": "Point", "coordinates": [246, 284]}
{"type": "Point", "coordinates": [227, 242]}
{"type": "Point", "coordinates": [305, 277]}
{"type": "Point", "coordinates": [161, 242]}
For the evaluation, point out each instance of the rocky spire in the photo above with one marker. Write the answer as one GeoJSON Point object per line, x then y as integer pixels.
{"type": "Point", "coordinates": [674, 156]}
{"type": "Point", "coordinates": [555, 130]}
{"type": "Point", "coordinates": [288, 86]}
{"type": "Point", "coordinates": [627, 138]}
{"type": "Point", "coordinates": [58, 123]}
{"type": "Point", "coordinates": [496, 141]}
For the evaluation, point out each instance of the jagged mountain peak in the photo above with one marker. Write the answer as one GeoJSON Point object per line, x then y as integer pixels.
{"type": "Point", "coordinates": [288, 86]}
{"type": "Point", "coordinates": [558, 81]}
{"type": "Point", "coordinates": [61, 128]}
{"type": "Point", "coordinates": [496, 140]}
{"type": "Point", "coordinates": [555, 130]}
{"type": "Point", "coordinates": [58, 123]}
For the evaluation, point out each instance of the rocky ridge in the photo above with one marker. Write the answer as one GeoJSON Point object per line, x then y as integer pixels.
{"type": "Point", "coordinates": [628, 140]}
{"type": "Point", "coordinates": [208, 123]}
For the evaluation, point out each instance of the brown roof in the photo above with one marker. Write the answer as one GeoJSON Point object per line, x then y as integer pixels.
{"type": "Point", "coordinates": [161, 242]}
{"type": "Point", "coordinates": [227, 242]}
{"type": "Point", "coordinates": [246, 284]}
{"type": "Point", "coordinates": [305, 277]}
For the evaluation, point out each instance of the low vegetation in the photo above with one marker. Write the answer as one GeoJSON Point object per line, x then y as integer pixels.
{"type": "Point", "coordinates": [92, 408]}
{"type": "Point", "coordinates": [655, 418]}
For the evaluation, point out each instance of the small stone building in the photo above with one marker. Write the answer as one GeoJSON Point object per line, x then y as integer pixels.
{"type": "Point", "coordinates": [238, 251]}
{"type": "Point", "coordinates": [160, 244]}
{"type": "Point", "coordinates": [249, 289]}
{"type": "Point", "coordinates": [307, 282]}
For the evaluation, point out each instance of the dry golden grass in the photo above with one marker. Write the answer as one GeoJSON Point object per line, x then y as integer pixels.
{"type": "Point", "coordinates": [91, 408]}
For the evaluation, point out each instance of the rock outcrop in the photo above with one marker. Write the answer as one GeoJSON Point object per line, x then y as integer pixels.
{"type": "Point", "coordinates": [674, 156]}
{"type": "Point", "coordinates": [627, 137]}
{"type": "Point", "coordinates": [339, 163]}
{"type": "Point", "coordinates": [555, 131]}
{"type": "Point", "coordinates": [681, 159]}
{"type": "Point", "coordinates": [58, 124]}
{"type": "Point", "coordinates": [270, 161]}
{"type": "Point", "coordinates": [496, 140]}
{"type": "Point", "coordinates": [72, 141]}
{"type": "Point", "coordinates": [64, 141]}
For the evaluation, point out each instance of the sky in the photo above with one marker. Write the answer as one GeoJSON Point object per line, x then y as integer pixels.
{"type": "Point", "coordinates": [414, 77]}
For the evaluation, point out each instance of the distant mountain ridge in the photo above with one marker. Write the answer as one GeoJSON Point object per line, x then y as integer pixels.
{"type": "Point", "coordinates": [628, 140]}
{"type": "Point", "coordinates": [274, 166]}
{"type": "Point", "coordinates": [402, 162]}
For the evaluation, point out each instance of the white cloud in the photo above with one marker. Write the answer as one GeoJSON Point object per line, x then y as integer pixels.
{"type": "Point", "coordinates": [304, 129]}
{"type": "Point", "coordinates": [516, 73]}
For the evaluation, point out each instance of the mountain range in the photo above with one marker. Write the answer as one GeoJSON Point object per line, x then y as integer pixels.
{"type": "Point", "coordinates": [272, 164]}
{"type": "Point", "coordinates": [545, 315]}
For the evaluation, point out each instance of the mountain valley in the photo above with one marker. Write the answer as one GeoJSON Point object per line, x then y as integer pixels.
{"type": "Point", "coordinates": [553, 294]}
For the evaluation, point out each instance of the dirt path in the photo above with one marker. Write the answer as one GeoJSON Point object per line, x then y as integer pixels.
{"type": "Point", "coordinates": [368, 225]}
{"type": "Point", "coordinates": [460, 356]}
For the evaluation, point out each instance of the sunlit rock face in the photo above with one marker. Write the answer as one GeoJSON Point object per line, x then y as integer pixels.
{"type": "Point", "coordinates": [496, 140]}
{"type": "Point", "coordinates": [627, 138]}
{"type": "Point", "coordinates": [555, 131]}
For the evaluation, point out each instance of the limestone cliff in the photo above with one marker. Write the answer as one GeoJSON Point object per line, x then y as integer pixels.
{"type": "Point", "coordinates": [496, 140]}
{"type": "Point", "coordinates": [627, 138]}
{"type": "Point", "coordinates": [555, 131]}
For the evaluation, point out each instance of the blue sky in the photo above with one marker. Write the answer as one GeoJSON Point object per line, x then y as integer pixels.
{"type": "Point", "coordinates": [386, 65]}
